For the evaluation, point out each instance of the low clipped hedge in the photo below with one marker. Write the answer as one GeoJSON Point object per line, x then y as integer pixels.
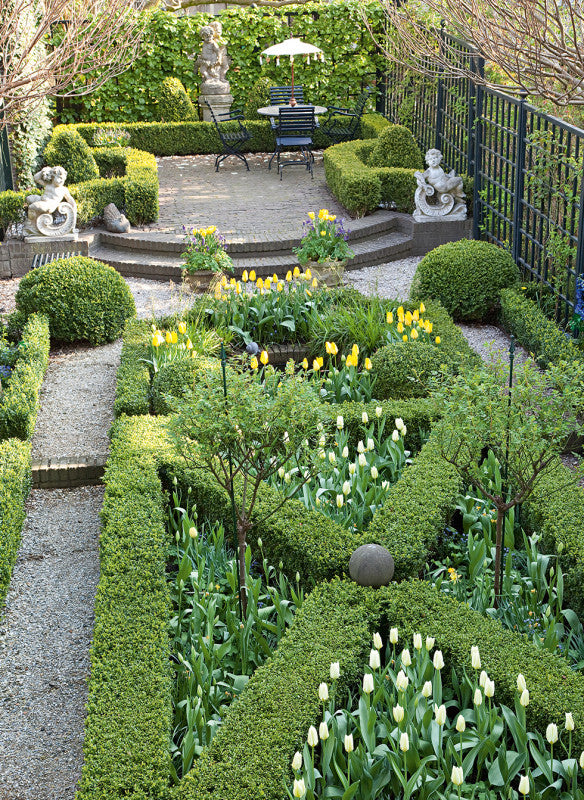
{"type": "Point", "coordinates": [20, 401]}
{"type": "Point", "coordinates": [14, 489]}
{"type": "Point", "coordinates": [360, 188]}
{"type": "Point", "coordinates": [524, 319]}
{"type": "Point", "coordinates": [405, 369]}
{"type": "Point", "coordinates": [133, 377]}
{"type": "Point", "coordinates": [11, 209]}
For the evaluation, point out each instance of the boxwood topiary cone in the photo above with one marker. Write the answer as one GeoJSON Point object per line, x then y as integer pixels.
{"type": "Point", "coordinates": [67, 148]}
{"type": "Point", "coordinates": [396, 147]}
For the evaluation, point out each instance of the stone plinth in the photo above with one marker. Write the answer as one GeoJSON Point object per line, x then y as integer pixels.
{"type": "Point", "coordinates": [220, 103]}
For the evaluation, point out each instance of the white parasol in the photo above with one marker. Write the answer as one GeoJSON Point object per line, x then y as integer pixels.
{"type": "Point", "coordinates": [291, 48]}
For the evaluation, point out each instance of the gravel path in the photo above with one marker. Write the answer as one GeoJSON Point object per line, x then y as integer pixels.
{"type": "Point", "coordinates": [45, 635]}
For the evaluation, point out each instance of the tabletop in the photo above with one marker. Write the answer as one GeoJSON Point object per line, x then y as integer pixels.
{"type": "Point", "coordinates": [272, 111]}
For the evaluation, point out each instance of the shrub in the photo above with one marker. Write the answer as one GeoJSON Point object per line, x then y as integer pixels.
{"type": "Point", "coordinates": [14, 488]}
{"type": "Point", "coordinates": [68, 149]}
{"type": "Point", "coordinates": [172, 381]}
{"type": "Point", "coordinates": [133, 377]}
{"type": "Point", "coordinates": [19, 403]}
{"type": "Point", "coordinates": [83, 299]}
{"type": "Point", "coordinates": [404, 369]}
{"type": "Point", "coordinates": [396, 147]}
{"type": "Point", "coordinates": [111, 161]}
{"type": "Point", "coordinates": [174, 104]}
{"type": "Point", "coordinates": [11, 209]}
{"type": "Point", "coordinates": [258, 97]}
{"type": "Point", "coordinates": [372, 125]}
{"type": "Point", "coordinates": [467, 278]}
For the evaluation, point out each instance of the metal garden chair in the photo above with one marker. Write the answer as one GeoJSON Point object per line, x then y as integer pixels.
{"type": "Point", "coordinates": [294, 132]}
{"type": "Point", "coordinates": [342, 124]}
{"type": "Point", "coordinates": [232, 139]}
{"type": "Point", "coordinates": [280, 95]}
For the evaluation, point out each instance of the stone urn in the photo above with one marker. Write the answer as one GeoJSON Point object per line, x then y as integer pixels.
{"type": "Point", "coordinates": [329, 272]}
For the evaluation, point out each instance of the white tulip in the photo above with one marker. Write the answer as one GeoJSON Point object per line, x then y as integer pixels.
{"type": "Point", "coordinates": [457, 776]}
{"type": "Point", "coordinates": [523, 784]}
{"type": "Point", "coordinates": [360, 446]}
{"type": "Point", "coordinates": [352, 469]}
{"type": "Point", "coordinates": [335, 671]}
{"type": "Point", "coordinates": [440, 713]}
{"type": "Point", "coordinates": [399, 423]}
{"type": "Point", "coordinates": [345, 452]}
{"type": "Point", "coordinates": [332, 457]}
{"type": "Point", "coordinates": [312, 737]}
{"type": "Point", "coordinates": [438, 660]}
{"type": "Point", "coordinates": [582, 760]}
{"type": "Point", "coordinates": [281, 472]}
{"type": "Point", "coordinates": [417, 641]}
{"type": "Point", "coordinates": [430, 642]}
{"type": "Point", "coordinates": [398, 713]}
{"type": "Point", "coordinates": [393, 636]}
{"type": "Point", "coordinates": [349, 746]}
{"type": "Point", "coordinates": [368, 685]}
{"type": "Point", "coordinates": [427, 689]}
{"type": "Point", "coordinates": [406, 659]}
{"type": "Point", "coordinates": [475, 657]}
{"type": "Point", "coordinates": [377, 643]}
{"type": "Point", "coordinates": [524, 699]}
{"type": "Point", "coordinates": [551, 733]}
{"type": "Point", "coordinates": [340, 423]}
{"type": "Point", "coordinates": [395, 436]}
{"type": "Point", "coordinates": [323, 731]}
{"type": "Point", "coordinates": [374, 660]}
{"type": "Point", "coordinates": [364, 418]}
{"type": "Point", "coordinates": [297, 761]}
{"type": "Point", "coordinates": [478, 697]}
{"type": "Point", "coordinates": [460, 724]}
{"type": "Point", "coordinates": [299, 789]}
{"type": "Point", "coordinates": [374, 473]}
{"type": "Point", "coordinates": [346, 488]}
{"type": "Point", "coordinates": [378, 411]}
{"type": "Point", "coordinates": [370, 444]}
{"type": "Point", "coordinates": [322, 441]}
{"type": "Point", "coordinates": [362, 460]}
{"type": "Point", "coordinates": [321, 455]}
{"type": "Point", "coordinates": [323, 692]}
{"type": "Point", "coordinates": [483, 678]}
{"type": "Point", "coordinates": [404, 743]}
{"type": "Point", "coordinates": [521, 685]}
{"type": "Point", "coordinates": [340, 500]}
{"type": "Point", "coordinates": [287, 477]}
{"type": "Point", "coordinates": [489, 688]}
{"type": "Point", "coordinates": [404, 430]}
{"type": "Point", "coordinates": [569, 721]}
{"type": "Point", "coordinates": [402, 681]}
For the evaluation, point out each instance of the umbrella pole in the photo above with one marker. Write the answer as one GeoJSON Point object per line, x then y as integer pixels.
{"type": "Point", "coordinates": [292, 98]}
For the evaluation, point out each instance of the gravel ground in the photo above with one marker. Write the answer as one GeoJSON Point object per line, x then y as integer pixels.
{"type": "Point", "coordinates": [45, 635]}
{"type": "Point", "coordinates": [390, 280]}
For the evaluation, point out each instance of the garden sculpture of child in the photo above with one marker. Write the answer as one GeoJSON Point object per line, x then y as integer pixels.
{"type": "Point", "coordinates": [446, 191]}
{"type": "Point", "coordinates": [213, 61]}
{"type": "Point", "coordinates": [55, 198]}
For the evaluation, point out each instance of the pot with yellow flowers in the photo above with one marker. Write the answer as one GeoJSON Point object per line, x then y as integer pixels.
{"type": "Point", "coordinates": [205, 257]}
{"type": "Point", "coordinates": [323, 247]}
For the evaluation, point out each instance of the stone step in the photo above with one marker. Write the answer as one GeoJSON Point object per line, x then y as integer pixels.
{"type": "Point", "coordinates": [163, 267]}
{"type": "Point", "coordinates": [68, 472]}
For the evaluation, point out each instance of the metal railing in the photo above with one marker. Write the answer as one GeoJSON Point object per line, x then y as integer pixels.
{"type": "Point", "coordinates": [5, 165]}
{"type": "Point", "coordinates": [528, 187]}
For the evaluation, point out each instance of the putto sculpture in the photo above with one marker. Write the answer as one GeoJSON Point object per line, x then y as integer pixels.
{"type": "Point", "coordinates": [213, 63]}
{"type": "Point", "coordinates": [55, 198]}
{"type": "Point", "coordinates": [448, 197]}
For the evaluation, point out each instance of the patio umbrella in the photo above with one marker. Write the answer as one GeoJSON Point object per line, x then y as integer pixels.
{"type": "Point", "coordinates": [292, 48]}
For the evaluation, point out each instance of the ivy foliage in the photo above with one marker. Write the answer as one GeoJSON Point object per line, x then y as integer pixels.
{"type": "Point", "coordinates": [351, 59]}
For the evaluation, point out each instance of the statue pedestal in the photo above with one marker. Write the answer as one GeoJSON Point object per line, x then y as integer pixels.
{"type": "Point", "coordinates": [67, 237]}
{"type": "Point", "coordinates": [220, 103]}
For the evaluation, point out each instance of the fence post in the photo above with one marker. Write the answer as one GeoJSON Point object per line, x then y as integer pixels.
{"type": "Point", "coordinates": [472, 91]}
{"type": "Point", "coordinates": [579, 261]}
{"type": "Point", "coordinates": [440, 95]}
{"type": "Point", "coordinates": [5, 165]}
{"type": "Point", "coordinates": [519, 175]}
{"type": "Point", "coordinates": [476, 134]}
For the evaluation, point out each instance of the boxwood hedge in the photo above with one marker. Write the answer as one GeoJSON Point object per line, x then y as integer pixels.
{"type": "Point", "coordinates": [14, 488]}
{"type": "Point", "coordinates": [133, 378]}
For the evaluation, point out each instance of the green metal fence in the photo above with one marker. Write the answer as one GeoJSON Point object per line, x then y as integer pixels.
{"type": "Point", "coordinates": [5, 166]}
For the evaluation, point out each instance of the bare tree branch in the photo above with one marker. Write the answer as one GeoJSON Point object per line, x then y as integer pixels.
{"type": "Point", "coordinates": [174, 5]}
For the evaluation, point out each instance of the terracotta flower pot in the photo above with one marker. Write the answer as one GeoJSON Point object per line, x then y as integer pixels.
{"type": "Point", "coordinates": [328, 272]}
{"type": "Point", "coordinates": [201, 280]}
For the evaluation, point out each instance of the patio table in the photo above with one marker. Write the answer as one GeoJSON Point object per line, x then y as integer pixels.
{"type": "Point", "coordinates": [272, 111]}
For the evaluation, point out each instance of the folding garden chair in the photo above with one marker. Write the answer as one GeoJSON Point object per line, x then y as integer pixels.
{"type": "Point", "coordinates": [280, 95]}
{"type": "Point", "coordinates": [345, 129]}
{"type": "Point", "coordinates": [232, 138]}
{"type": "Point", "coordinates": [294, 132]}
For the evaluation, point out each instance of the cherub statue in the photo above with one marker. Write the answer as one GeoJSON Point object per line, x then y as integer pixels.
{"type": "Point", "coordinates": [213, 61]}
{"type": "Point", "coordinates": [450, 201]}
{"type": "Point", "coordinates": [224, 60]}
{"type": "Point", "coordinates": [55, 197]}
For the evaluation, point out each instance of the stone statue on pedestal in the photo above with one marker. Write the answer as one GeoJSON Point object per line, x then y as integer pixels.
{"type": "Point", "coordinates": [448, 198]}
{"type": "Point", "coordinates": [40, 223]}
{"type": "Point", "coordinates": [213, 63]}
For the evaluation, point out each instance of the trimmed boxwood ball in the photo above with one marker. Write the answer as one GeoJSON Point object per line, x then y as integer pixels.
{"type": "Point", "coordinates": [467, 277]}
{"type": "Point", "coordinates": [403, 369]}
{"type": "Point", "coordinates": [68, 149]}
{"type": "Point", "coordinates": [396, 147]}
{"type": "Point", "coordinates": [84, 299]}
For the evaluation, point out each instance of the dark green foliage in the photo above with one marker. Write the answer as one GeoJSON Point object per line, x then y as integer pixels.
{"type": "Point", "coordinates": [405, 369]}
{"type": "Point", "coordinates": [66, 148]}
{"type": "Point", "coordinates": [93, 196]}
{"type": "Point", "coordinates": [20, 401]}
{"type": "Point", "coordinates": [258, 97]}
{"type": "Point", "coordinates": [133, 377]}
{"type": "Point", "coordinates": [11, 209]}
{"type": "Point", "coordinates": [14, 488]}
{"type": "Point", "coordinates": [372, 125]}
{"type": "Point", "coordinates": [127, 731]}
{"type": "Point", "coordinates": [467, 278]}
{"type": "Point", "coordinates": [396, 147]}
{"type": "Point", "coordinates": [174, 104]}
{"type": "Point", "coordinates": [111, 161]}
{"type": "Point", "coordinates": [175, 379]}
{"type": "Point", "coordinates": [538, 334]}
{"type": "Point", "coordinates": [83, 299]}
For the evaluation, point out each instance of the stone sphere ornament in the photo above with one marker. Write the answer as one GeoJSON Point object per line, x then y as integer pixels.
{"type": "Point", "coordinates": [371, 565]}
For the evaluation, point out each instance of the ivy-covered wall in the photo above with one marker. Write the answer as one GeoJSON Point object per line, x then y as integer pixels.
{"type": "Point", "coordinates": [350, 62]}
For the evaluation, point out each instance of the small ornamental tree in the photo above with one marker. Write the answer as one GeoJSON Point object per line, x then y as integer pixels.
{"type": "Point", "coordinates": [526, 428]}
{"type": "Point", "coordinates": [244, 435]}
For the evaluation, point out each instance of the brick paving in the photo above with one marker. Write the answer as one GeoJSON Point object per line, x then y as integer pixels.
{"type": "Point", "coordinates": [238, 202]}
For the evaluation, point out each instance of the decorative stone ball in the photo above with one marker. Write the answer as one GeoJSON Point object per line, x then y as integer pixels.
{"type": "Point", "coordinates": [371, 565]}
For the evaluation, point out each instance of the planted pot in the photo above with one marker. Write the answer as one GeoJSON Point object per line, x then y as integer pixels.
{"type": "Point", "coordinates": [201, 280]}
{"type": "Point", "coordinates": [329, 272]}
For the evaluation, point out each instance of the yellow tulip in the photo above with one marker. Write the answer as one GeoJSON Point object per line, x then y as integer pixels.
{"type": "Point", "coordinates": [304, 363]}
{"type": "Point", "coordinates": [315, 365]}
{"type": "Point", "coordinates": [264, 357]}
{"type": "Point", "coordinates": [168, 337]}
{"type": "Point", "coordinates": [332, 217]}
{"type": "Point", "coordinates": [157, 340]}
{"type": "Point", "coordinates": [308, 274]}
{"type": "Point", "coordinates": [268, 282]}
{"type": "Point", "coordinates": [279, 286]}
{"type": "Point", "coordinates": [334, 349]}
{"type": "Point", "coordinates": [173, 337]}
{"type": "Point", "coordinates": [212, 229]}
{"type": "Point", "coordinates": [311, 214]}
{"type": "Point", "coordinates": [422, 308]}
{"type": "Point", "coordinates": [308, 293]}
{"type": "Point", "coordinates": [355, 349]}
{"type": "Point", "coordinates": [253, 362]}
{"type": "Point", "coordinates": [400, 313]}
{"type": "Point", "coordinates": [414, 334]}
{"type": "Point", "coordinates": [320, 360]}
{"type": "Point", "coordinates": [262, 291]}
{"type": "Point", "coordinates": [327, 347]}
{"type": "Point", "coordinates": [405, 337]}
{"type": "Point", "coordinates": [252, 276]}
{"type": "Point", "coordinates": [323, 233]}
{"type": "Point", "coordinates": [223, 281]}
{"type": "Point", "coordinates": [189, 344]}
{"type": "Point", "coordinates": [232, 282]}
{"type": "Point", "coordinates": [429, 326]}
{"type": "Point", "coordinates": [244, 276]}
{"type": "Point", "coordinates": [182, 327]}
{"type": "Point", "coordinates": [288, 276]}
{"type": "Point", "coordinates": [437, 340]}
{"type": "Point", "coordinates": [416, 315]}
{"type": "Point", "coordinates": [408, 319]}
{"type": "Point", "coordinates": [260, 283]}
{"type": "Point", "coordinates": [314, 283]}
{"type": "Point", "coordinates": [368, 364]}
{"type": "Point", "coordinates": [400, 327]}
{"type": "Point", "coordinates": [238, 288]}
{"type": "Point", "coordinates": [296, 272]}
{"type": "Point", "coordinates": [275, 278]}
{"type": "Point", "coordinates": [389, 318]}
{"type": "Point", "coordinates": [321, 213]}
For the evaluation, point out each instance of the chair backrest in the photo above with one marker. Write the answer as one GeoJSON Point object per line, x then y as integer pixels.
{"type": "Point", "coordinates": [280, 95]}
{"type": "Point", "coordinates": [294, 121]}
{"type": "Point", "coordinates": [361, 101]}
{"type": "Point", "coordinates": [213, 117]}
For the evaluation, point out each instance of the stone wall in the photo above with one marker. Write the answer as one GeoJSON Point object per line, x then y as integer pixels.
{"type": "Point", "coordinates": [16, 257]}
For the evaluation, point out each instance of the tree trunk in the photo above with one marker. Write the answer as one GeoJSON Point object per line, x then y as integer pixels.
{"type": "Point", "coordinates": [241, 542]}
{"type": "Point", "coordinates": [498, 551]}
